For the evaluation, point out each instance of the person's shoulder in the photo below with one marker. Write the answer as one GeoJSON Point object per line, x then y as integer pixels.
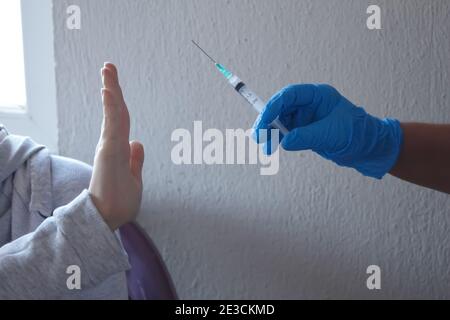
{"type": "Point", "coordinates": [69, 178]}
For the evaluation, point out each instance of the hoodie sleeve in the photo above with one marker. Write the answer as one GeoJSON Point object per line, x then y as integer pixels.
{"type": "Point", "coordinates": [45, 263]}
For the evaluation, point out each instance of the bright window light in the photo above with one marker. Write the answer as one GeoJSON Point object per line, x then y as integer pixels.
{"type": "Point", "coordinates": [12, 70]}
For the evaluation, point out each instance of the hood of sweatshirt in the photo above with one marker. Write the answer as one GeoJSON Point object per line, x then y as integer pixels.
{"type": "Point", "coordinates": [15, 153]}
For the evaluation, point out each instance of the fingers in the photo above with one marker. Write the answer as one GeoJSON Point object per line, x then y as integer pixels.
{"type": "Point", "coordinates": [286, 101]}
{"type": "Point", "coordinates": [110, 80]}
{"type": "Point", "coordinates": [110, 66]}
{"type": "Point", "coordinates": [137, 156]}
{"type": "Point", "coordinates": [111, 117]}
{"type": "Point", "coordinates": [309, 137]}
{"type": "Point", "coordinates": [116, 118]}
{"type": "Point", "coordinates": [272, 143]}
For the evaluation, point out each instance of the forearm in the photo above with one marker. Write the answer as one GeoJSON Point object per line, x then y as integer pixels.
{"type": "Point", "coordinates": [35, 266]}
{"type": "Point", "coordinates": [425, 156]}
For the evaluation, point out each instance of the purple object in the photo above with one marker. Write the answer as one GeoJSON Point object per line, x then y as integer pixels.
{"type": "Point", "coordinates": [148, 278]}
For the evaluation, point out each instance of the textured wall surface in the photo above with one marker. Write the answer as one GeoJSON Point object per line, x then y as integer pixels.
{"type": "Point", "coordinates": [312, 230]}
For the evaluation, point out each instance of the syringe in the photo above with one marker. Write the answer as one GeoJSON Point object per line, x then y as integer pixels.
{"type": "Point", "coordinates": [244, 91]}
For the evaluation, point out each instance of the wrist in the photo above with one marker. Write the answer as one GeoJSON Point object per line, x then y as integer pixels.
{"type": "Point", "coordinates": [384, 138]}
{"type": "Point", "coordinates": [108, 218]}
{"type": "Point", "coordinates": [373, 146]}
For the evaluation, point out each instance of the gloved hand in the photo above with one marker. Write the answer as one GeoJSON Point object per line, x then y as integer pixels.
{"type": "Point", "coordinates": [319, 118]}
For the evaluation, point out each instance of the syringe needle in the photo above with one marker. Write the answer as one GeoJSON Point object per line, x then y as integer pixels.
{"type": "Point", "coordinates": [244, 91]}
{"type": "Point", "coordinates": [204, 52]}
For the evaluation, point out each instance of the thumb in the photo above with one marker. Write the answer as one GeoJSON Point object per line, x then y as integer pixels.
{"type": "Point", "coordinates": [309, 137]}
{"type": "Point", "coordinates": [136, 159]}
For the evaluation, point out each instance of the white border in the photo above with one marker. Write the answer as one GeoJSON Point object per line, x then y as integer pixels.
{"type": "Point", "coordinates": [39, 119]}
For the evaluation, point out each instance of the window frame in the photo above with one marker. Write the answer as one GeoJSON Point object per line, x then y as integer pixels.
{"type": "Point", "coordinates": [38, 119]}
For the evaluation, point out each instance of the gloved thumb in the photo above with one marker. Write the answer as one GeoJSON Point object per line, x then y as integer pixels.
{"type": "Point", "coordinates": [136, 159]}
{"type": "Point", "coordinates": [304, 138]}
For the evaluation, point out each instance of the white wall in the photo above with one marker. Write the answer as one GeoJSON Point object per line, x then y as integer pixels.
{"type": "Point", "coordinates": [312, 230]}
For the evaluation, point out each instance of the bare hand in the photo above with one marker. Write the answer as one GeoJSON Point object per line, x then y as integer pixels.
{"type": "Point", "coordinates": [116, 184]}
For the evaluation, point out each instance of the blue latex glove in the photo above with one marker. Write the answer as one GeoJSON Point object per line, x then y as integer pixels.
{"type": "Point", "coordinates": [319, 118]}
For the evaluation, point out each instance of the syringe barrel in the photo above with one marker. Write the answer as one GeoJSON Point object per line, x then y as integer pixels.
{"type": "Point", "coordinates": [257, 103]}
{"type": "Point", "coordinates": [278, 125]}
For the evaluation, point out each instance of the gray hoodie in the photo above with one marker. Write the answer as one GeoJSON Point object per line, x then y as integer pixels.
{"type": "Point", "coordinates": [49, 225]}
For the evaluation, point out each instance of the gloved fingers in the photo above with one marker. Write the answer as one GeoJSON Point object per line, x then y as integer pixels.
{"type": "Point", "coordinates": [272, 143]}
{"type": "Point", "coordinates": [257, 131]}
{"type": "Point", "coordinates": [309, 137]}
{"type": "Point", "coordinates": [287, 101]}
{"type": "Point", "coordinates": [260, 136]}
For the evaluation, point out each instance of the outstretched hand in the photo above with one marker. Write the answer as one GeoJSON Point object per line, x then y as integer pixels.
{"type": "Point", "coordinates": [116, 184]}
